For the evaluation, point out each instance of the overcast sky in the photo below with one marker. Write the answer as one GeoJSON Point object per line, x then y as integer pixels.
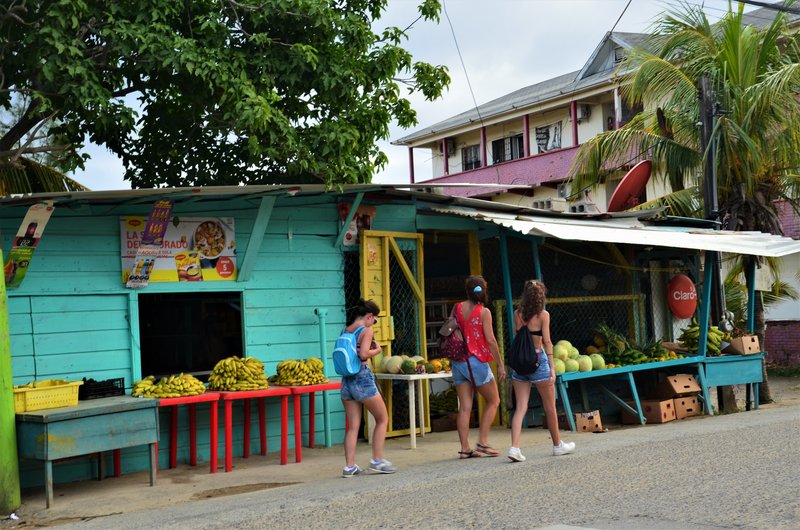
{"type": "Point", "coordinates": [505, 45]}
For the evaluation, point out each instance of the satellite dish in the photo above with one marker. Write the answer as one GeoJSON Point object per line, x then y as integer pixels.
{"type": "Point", "coordinates": [630, 188]}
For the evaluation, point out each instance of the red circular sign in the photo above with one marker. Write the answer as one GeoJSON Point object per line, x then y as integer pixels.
{"type": "Point", "coordinates": [681, 296]}
{"type": "Point", "coordinates": [224, 267]}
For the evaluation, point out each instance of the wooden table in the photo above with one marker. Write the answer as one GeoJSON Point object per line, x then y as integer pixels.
{"type": "Point", "coordinates": [413, 396]}
{"type": "Point", "coordinates": [297, 391]}
{"type": "Point", "coordinates": [92, 426]}
{"type": "Point", "coordinates": [229, 397]}
{"type": "Point", "coordinates": [208, 397]}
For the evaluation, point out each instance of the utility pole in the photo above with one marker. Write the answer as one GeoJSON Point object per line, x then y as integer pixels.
{"type": "Point", "coordinates": [9, 468]}
{"type": "Point", "coordinates": [708, 110]}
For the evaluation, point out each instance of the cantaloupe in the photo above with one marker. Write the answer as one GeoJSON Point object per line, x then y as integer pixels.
{"type": "Point", "coordinates": [393, 364]}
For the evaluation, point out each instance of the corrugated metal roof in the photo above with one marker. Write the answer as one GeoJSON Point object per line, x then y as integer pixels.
{"type": "Point", "coordinates": [633, 231]}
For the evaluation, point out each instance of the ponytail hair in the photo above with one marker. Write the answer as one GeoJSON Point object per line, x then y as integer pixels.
{"type": "Point", "coordinates": [477, 290]}
{"type": "Point", "coordinates": [361, 308]}
{"type": "Point", "coordinates": [532, 300]}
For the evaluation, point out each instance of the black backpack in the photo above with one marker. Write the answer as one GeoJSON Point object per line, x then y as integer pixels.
{"type": "Point", "coordinates": [523, 356]}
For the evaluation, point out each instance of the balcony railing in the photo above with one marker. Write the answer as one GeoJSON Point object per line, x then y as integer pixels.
{"type": "Point", "coordinates": [531, 171]}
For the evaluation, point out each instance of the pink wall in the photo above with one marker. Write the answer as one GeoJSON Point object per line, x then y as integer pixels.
{"type": "Point", "coordinates": [534, 170]}
{"type": "Point", "coordinates": [789, 221]}
{"type": "Point", "coordinates": [781, 342]}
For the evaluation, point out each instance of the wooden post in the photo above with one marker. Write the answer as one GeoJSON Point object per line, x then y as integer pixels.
{"type": "Point", "coordinates": [9, 471]}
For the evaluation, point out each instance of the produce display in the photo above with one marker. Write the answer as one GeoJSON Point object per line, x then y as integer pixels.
{"type": "Point", "coordinates": [403, 364]}
{"type": "Point", "coordinates": [617, 350]}
{"type": "Point", "coordinates": [168, 387]}
{"type": "Point", "coordinates": [298, 372]}
{"type": "Point", "coordinates": [236, 373]}
{"type": "Point", "coordinates": [690, 337]}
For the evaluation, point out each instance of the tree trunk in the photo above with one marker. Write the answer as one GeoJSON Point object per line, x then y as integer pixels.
{"type": "Point", "coordinates": [764, 393]}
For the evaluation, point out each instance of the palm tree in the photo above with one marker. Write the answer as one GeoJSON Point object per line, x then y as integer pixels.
{"type": "Point", "coordinates": [755, 73]}
{"type": "Point", "coordinates": [25, 175]}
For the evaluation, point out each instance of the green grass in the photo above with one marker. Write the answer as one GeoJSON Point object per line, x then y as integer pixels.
{"type": "Point", "coordinates": [775, 371]}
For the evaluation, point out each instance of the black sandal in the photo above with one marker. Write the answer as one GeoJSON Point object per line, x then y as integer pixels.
{"type": "Point", "coordinates": [463, 455]}
{"type": "Point", "coordinates": [486, 450]}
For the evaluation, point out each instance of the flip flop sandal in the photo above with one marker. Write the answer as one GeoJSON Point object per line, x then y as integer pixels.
{"type": "Point", "coordinates": [462, 455]}
{"type": "Point", "coordinates": [486, 450]}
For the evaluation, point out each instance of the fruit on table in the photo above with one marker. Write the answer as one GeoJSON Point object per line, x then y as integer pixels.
{"type": "Point", "coordinates": [167, 387]}
{"type": "Point", "coordinates": [571, 365]}
{"type": "Point", "coordinates": [408, 366]}
{"type": "Point", "coordinates": [237, 373]}
{"type": "Point", "coordinates": [598, 363]}
{"type": "Point", "coordinates": [299, 372]}
{"type": "Point", "coordinates": [584, 363]}
{"type": "Point", "coordinates": [558, 364]}
{"type": "Point", "coordinates": [561, 350]}
{"type": "Point", "coordinates": [393, 364]}
{"type": "Point", "coordinates": [690, 337]}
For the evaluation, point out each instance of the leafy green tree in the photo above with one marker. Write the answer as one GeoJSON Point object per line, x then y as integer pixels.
{"type": "Point", "coordinates": [755, 73]}
{"type": "Point", "coordinates": [212, 92]}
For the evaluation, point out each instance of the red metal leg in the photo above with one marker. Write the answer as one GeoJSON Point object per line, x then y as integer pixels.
{"type": "Point", "coordinates": [311, 404]}
{"type": "Point", "coordinates": [117, 463]}
{"type": "Point", "coordinates": [173, 438]}
{"type": "Point", "coordinates": [228, 436]}
{"type": "Point", "coordinates": [246, 448]}
{"type": "Point", "coordinates": [192, 434]}
{"type": "Point", "coordinates": [298, 430]}
{"type": "Point", "coordinates": [284, 430]}
{"type": "Point", "coordinates": [262, 426]}
{"type": "Point", "coordinates": [214, 416]}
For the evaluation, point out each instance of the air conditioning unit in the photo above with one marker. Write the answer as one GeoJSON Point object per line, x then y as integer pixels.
{"type": "Point", "coordinates": [584, 112]}
{"type": "Point", "coordinates": [450, 144]}
{"type": "Point", "coordinates": [564, 190]}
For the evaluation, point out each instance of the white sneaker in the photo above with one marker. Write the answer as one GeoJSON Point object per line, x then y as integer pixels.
{"type": "Point", "coordinates": [515, 455]}
{"type": "Point", "coordinates": [563, 448]}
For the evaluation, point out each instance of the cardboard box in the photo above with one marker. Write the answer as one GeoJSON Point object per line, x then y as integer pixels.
{"type": "Point", "coordinates": [588, 421]}
{"type": "Point", "coordinates": [686, 406]}
{"type": "Point", "coordinates": [677, 347]}
{"type": "Point", "coordinates": [678, 385]}
{"type": "Point", "coordinates": [744, 345]}
{"type": "Point", "coordinates": [655, 411]}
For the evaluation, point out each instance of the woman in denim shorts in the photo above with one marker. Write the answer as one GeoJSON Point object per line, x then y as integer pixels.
{"type": "Point", "coordinates": [360, 389]}
{"type": "Point", "coordinates": [531, 317]}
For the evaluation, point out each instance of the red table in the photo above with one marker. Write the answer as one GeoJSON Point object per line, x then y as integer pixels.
{"type": "Point", "coordinates": [229, 397]}
{"type": "Point", "coordinates": [209, 397]}
{"type": "Point", "coordinates": [297, 391]}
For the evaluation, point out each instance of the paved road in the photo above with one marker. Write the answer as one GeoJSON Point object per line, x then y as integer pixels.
{"type": "Point", "coordinates": [734, 471]}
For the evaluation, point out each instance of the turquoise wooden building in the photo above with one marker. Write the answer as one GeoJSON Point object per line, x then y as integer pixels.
{"type": "Point", "coordinates": [292, 251]}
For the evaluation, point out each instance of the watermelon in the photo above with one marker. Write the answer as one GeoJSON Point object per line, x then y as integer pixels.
{"type": "Point", "coordinates": [393, 364]}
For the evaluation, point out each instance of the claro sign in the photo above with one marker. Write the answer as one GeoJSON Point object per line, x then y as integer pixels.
{"type": "Point", "coordinates": [681, 296]}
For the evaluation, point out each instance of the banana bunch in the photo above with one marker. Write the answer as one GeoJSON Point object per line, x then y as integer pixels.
{"type": "Point", "coordinates": [690, 337]}
{"type": "Point", "coordinates": [236, 373]}
{"type": "Point", "coordinates": [296, 372]}
{"type": "Point", "coordinates": [166, 387]}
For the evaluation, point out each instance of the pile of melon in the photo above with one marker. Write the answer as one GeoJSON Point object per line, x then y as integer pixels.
{"type": "Point", "coordinates": [567, 358]}
{"type": "Point", "coordinates": [403, 364]}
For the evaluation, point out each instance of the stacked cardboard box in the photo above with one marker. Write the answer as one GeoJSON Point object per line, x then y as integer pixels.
{"type": "Point", "coordinates": [654, 410]}
{"type": "Point", "coordinates": [684, 390]}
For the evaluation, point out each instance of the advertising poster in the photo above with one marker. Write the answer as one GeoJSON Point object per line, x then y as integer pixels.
{"type": "Point", "coordinates": [548, 137]}
{"type": "Point", "coordinates": [193, 249]}
{"type": "Point", "coordinates": [30, 232]}
{"type": "Point", "coordinates": [150, 244]}
{"type": "Point", "coordinates": [362, 220]}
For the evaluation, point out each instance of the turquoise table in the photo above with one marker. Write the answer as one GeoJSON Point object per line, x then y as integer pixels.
{"type": "Point", "coordinates": [626, 373]}
{"type": "Point", "coordinates": [737, 370]}
{"type": "Point", "coordinates": [92, 426]}
{"type": "Point", "coordinates": [711, 371]}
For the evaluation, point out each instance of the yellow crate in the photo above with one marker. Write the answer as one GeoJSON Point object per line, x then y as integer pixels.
{"type": "Point", "coordinates": [47, 394]}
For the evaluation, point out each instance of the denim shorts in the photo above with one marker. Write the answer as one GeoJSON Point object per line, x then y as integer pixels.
{"type": "Point", "coordinates": [481, 372]}
{"type": "Point", "coordinates": [360, 386]}
{"type": "Point", "coordinates": [541, 374]}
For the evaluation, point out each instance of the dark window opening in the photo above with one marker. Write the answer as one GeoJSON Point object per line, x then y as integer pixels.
{"type": "Point", "coordinates": [188, 332]}
{"type": "Point", "coordinates": [509, 148]}
{"type": "Point", "coordinates": [471, 157]}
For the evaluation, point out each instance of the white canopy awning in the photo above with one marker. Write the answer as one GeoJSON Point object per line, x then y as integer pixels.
{"type": "Point", "coordinates": [635, 232]}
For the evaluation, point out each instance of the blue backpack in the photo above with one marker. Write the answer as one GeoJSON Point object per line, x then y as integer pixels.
{"type": "Point", "coordinates": [345, 353]}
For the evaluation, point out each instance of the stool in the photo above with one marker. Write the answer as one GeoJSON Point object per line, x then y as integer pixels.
{"type": "Point", "coordinates": [208, 397]}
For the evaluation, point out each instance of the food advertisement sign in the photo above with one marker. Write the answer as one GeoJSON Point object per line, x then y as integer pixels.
{"type": "Point", "coordinates": [193, 249]}
{"type": "Point", "coordinates": [30, 232]}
